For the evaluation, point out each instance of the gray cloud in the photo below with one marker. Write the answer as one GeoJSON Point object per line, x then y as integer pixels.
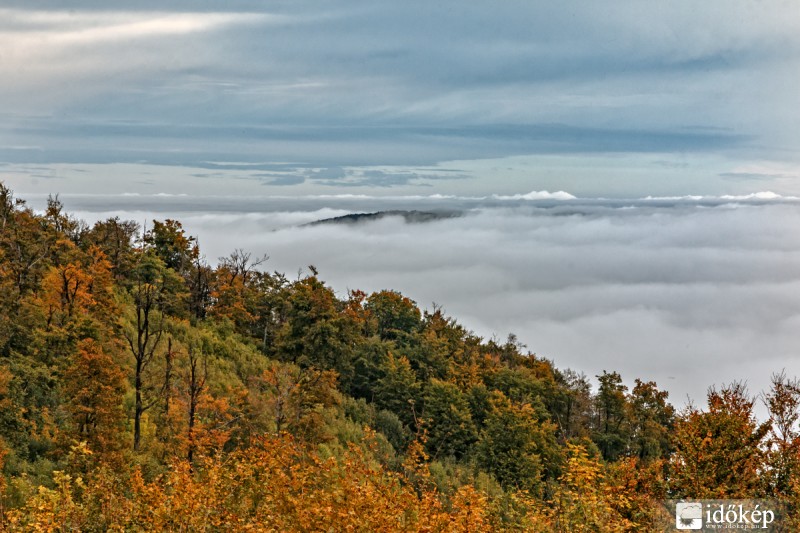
{"type": "Point", "coordinates": [285, 180]}
{"type": "Point", "coordinates": [354, 84]}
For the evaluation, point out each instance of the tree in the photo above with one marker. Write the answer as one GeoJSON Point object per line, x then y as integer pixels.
{"type": "Point", "coordinates": [718, 453]}
{"type": "Point", "coordinates": [7, 416]}
{"type": "Point", "coordinates": [398, 390]}
{"type": "Point", "coordinates": [25, 250]}
{"type": "Point", "coordinates": [316, 332]}
{"type": "Point", "coordinates": [94, 386]}
{"type": "Point", "coordinates": [115, 238]}
{"type": "Point", "coordinates": [518, 448]}
{"type": "Point", "coordinates": [154, 290]}
{"type": "Point", "coordinates": [169, 242]}
{"type": "Point", "coordinates": [60, 222]}
{"type": "Point", "coordinates": [611, 430]}
{"type": "Point", "coordinates": [574, 412]}
{"type": "Point", "coordinates": [448, 421]}
{"type": "Point", "coordinates": [585, 500]}
{"type": "Point", "coordinates": [196, 387]}
{"type": "Point", "coordinates": [783, 439]}
{"type": "Point", "coordinates": [651, 420]}
{"type": "Point", "coordinates": [234, 290]}
{"type": "Point", "coordinates": [448, 351]}
{"type": "Point", "coordinates": [78, 289]}
{"type": "Point", "coordinates": [395, 315]}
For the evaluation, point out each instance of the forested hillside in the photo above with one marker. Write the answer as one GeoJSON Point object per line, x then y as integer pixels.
{"type": "Point", "coordinates": [143, 388]}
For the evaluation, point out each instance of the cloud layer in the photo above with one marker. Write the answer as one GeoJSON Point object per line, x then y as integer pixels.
{"type": "Point", "coordinates": [688, 292]}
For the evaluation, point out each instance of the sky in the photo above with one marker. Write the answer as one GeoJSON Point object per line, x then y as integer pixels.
{"type": "Point", "coordinates": [619, 98]}
{"type": "Point", "coordinates": [627, 173]}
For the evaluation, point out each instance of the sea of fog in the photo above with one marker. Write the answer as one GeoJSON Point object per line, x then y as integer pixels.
{"type": "Point", "coordinates": [687, 291]}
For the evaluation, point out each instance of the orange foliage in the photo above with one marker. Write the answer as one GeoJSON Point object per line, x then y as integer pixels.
{"type": "Point", "coordinates": [73, 290]}
{"type": "Point", "coordinates": [274, 485]}
{"type": "Point", "coordinates": [5, 378]}
{"type": "Point", "coordinates": [719, 453]}
{"type": "Point", "coordinates": [95, 385]}
{"type": "Point", "coordinates": [585, 500]}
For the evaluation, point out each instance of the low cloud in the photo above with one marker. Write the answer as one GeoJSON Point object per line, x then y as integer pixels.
{"type": "Point", "coordinates": [689, 293]}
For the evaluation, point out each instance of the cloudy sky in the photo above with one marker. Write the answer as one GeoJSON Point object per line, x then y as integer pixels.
{"type": "Point", "coordinates": [627, 173]}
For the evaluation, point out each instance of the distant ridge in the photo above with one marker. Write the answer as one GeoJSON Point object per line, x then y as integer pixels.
{"type": "Point", "coordinates": [410, 217]}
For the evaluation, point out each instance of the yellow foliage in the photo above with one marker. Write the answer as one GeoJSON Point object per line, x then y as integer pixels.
{"type": "Point", "coordinates": [274, 485]}
{"type": "Point", "coordinates": [585, 500]}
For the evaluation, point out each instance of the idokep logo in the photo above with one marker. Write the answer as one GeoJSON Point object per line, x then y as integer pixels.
{"type": "Point", "coordinates": [689, 515]}
{"type": "Point", "coordinates": [715, 515]}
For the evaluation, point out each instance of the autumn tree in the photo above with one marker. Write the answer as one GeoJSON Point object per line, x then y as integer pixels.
{"type": "Point", "coordinates": [25, 251]}
{"type": "Point", "coordinates": [235, 289]}
{"type": "Point", "coordinates": [585, 499]}
{"type": "Point", "coordinates": [60, 222]}
{"type": "Point", "coordinates": [718, 452]}
{"type": "Point", "coordinates": [783, 439]}
{"type": "Point", "coordinates": [6, 408]}
{"type": "Point", "coordinates": [77, 290]}
{"type": "Point", "coordinates": [196, 377]}
{"type": "Point", "coordinates": [447, 350]}
{"type": "Point", "coordinates": [94, 386]}
{"type": "Point", "coordinates": [296, 400]}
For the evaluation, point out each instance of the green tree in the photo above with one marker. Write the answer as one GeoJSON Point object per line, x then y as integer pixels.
{"type": "Point", "coordinates": [448, 420]}
{"type": "Point", "coordinates": [651, 419]}
{"type": "Point", "coordinates": [170, 243]}
{"type": "Point", "coordinates": [398, 390]}
{"type": "Point", "coordinates": [395, 315]}
{"type": "Point", "coordinates": [156, 290]}
{"type": "Point", "coordinates": [315, 332]}
{"type": "Point", "coordinates": [518, 448]}
{"type": "Point", "coordinates": [611, 431]}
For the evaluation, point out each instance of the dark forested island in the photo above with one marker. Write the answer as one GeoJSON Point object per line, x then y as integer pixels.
{"type": "Point", "coordinates": [410, 217]}
{"type": "Point", "coordinates": [142, 388]}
